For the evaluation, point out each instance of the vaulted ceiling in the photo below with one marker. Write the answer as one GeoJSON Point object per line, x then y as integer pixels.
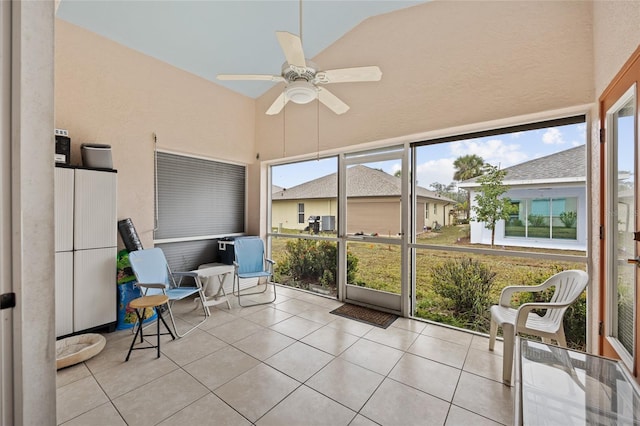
{"type": "Point", "coordinates": [213, 37]}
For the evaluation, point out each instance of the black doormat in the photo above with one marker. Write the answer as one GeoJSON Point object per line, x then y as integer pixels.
{"type": "Point", "coordinates": [365, 315]}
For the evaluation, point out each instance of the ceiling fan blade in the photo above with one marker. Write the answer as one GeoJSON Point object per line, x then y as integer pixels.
{"type": "Point", "coordinates": [278, 104]}
{"type": "Point", "coordinates": [331, 101]}
{"type": "Point", "coordinates": [292, 47]}
{"type": "Point", "coordinates": [344, 75]}
{"type": "Point", "coordinates": [255, 77]}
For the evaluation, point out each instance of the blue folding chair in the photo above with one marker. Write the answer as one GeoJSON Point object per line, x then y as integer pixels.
{"type": "Point", "coordinates": [155, 277]}
{"type": "Point", "coordinates": [250, 262]}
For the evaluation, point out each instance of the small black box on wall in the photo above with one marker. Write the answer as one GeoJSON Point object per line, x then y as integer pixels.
{"type": "Point", "coordinates": [63, 147]}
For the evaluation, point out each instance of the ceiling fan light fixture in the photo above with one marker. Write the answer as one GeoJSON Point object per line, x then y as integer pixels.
{"type": "Point", "coordinates": [301, 92]}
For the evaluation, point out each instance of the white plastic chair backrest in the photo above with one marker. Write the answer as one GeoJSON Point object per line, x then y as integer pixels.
{"type": "Point", "coordinates": [569, 285]}
{"type": "Point", "coordinates": [150, 267]}
{"type": "Point", "coordinates": [249, 252]}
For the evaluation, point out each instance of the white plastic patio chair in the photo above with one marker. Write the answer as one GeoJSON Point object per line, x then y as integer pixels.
{"type": "Point", "coordinates": [568, 287]}
{"type": "Point", "coordinates": [155, 277]}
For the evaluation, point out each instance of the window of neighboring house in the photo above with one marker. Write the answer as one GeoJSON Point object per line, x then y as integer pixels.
{"type": "Point", "coordinates": [435, 208]}
{"type": "Point", "coordinates": [426, 211]}
{"type": "Point", "coordinates": [300, 212]}
{"type": "Point", "coordinates": [550, 218]}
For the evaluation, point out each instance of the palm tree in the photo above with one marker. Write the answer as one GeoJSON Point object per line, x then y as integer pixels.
{"type": "Point", "coordinates": [467, 167]}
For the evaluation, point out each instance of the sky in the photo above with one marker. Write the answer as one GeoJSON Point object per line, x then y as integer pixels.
{"type": "Point", "coordinates": [435, 162]}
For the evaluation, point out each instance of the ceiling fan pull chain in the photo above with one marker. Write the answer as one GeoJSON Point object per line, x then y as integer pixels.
{"type": "Point", "coordinates": [284, 127]}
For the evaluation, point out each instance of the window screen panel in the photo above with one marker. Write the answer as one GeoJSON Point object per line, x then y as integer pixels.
{"type": "Point", "coordinates": [198, 197]}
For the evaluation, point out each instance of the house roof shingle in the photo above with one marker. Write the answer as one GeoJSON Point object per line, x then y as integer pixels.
{"type": "Point", "coordinates": [363, 182]}
{"type": "Point", "coordinates": [568, 164]}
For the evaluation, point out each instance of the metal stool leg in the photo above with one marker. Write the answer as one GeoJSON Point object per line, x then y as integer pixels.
{"type": "Point", "coordinates": [158, 329]}
{"type": "Point", "coordinates": [141, 304]}
{"type": "Point", "coordinates": [139, 330]}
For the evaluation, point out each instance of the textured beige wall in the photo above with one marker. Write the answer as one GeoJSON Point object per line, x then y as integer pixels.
{"type": "Point", "coordinates": [106, 93]}
{"type": "Point", "coordinates": [444, 64]}
{"type": "Point", "coordinates": [285, 212]}
{"type": "Point", "coordinates": [616, 35]}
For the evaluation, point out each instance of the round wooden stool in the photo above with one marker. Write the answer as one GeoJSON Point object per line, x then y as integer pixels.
{"type": "Point", "coordinates": [140, 304]}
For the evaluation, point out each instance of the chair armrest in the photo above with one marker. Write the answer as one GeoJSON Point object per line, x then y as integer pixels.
{"type": "Point", "coordinates": [147, 286]}
{"type": "Point", "coordinates": [523, 311]}
{"type": "Point", "coordinates": [151, 285]}
{"type": "Point", "coordinates": [191, 274]}
{"type": "Point", "coordinates": [507, 292]}
{"type": "Point", "coordinates": [185, 274]}
{"type": "Point", "coordinates": [269, 264]}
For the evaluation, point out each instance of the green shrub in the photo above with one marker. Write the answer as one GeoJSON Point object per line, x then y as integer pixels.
{"type": "Point", "coordinates": [466, 284]}
{"type": "Point", "coordinates": [515, 222]}
{"type": "Point", "coordinates": [310, 261]}
{"type": "Point", "coordinates": [536, 220]}
{"type": "Point", "coordinates": [569, 219]}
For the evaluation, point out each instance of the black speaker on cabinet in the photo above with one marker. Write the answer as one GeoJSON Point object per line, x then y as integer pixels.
{"type": "Point", "coordinates": [63, 147]}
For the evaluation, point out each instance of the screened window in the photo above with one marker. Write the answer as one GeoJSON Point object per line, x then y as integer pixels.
{"type": "Point", "coordinates": [426, 211]}
{"type": "Point", "coordinates": [300, 212]}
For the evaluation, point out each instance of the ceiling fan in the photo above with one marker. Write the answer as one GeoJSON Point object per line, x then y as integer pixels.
{"type": "Point", "coordinates": [304, 80]}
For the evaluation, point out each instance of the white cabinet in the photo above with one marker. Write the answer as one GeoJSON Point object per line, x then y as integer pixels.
{"type": "Point", "coordinates": [64, 189]}
{"type": "Point", "coordinates": [94, 287]}
{"type": "Point", "coordinates": [86, 239]}
{"type": "Point", "coordinates": [94, 217]}
{"type": "Point", "coordinates": [64, 293]}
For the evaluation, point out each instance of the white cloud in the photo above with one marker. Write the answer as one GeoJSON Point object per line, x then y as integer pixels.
{"type": "Point", "coordinates": [432, 171]}
{"type": "Point", "coordinates": [516, 135]}
{"type": "Point", "coordinates": [493, 151]}
{"type": "Point", "coordinates": [553, 136]}
{"type": "Point", "coordinates": [395, 168]}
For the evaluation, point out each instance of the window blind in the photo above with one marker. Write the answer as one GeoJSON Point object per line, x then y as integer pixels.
{"type": "Point", "coordinates": [198, 197]}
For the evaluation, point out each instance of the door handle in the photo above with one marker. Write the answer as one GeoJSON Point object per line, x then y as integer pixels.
{"type": "Point", "coordinates": [7, 300]}
{"type": "Point", "coordinates": [635, 260]}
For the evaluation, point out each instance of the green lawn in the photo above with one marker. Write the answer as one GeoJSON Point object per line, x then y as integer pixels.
{"type": "Point", "coordinates": [379, 268]}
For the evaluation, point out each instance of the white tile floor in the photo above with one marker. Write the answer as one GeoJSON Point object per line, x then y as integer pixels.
{"type": "Point", "coordinates": [290, 363]}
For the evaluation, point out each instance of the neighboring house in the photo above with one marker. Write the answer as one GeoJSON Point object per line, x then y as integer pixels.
{"type": "Point", "coordinates": [550, 196]}
{"type": "Point", "coordinates": [373, 205]}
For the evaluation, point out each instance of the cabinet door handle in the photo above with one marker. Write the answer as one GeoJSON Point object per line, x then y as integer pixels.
{"type": "Point", "coordinates": [7, 300]}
